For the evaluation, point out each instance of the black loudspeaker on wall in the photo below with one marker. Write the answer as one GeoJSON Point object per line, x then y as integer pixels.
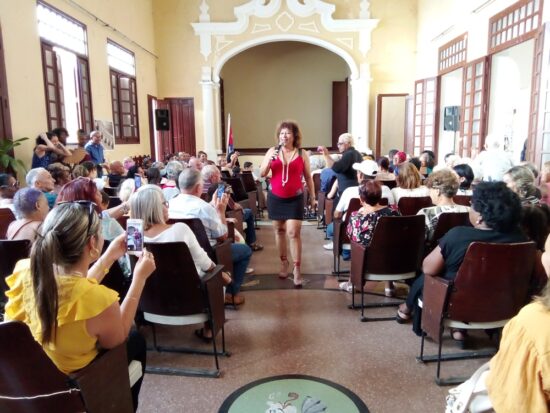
{"type": "Point", "coordinates": [162, 119]}
{"type": "Point", "coordinates": [451, 118]}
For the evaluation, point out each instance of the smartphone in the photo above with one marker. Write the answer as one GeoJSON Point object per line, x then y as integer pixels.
{"type": "Point", "coordinates": [220, 190]}
{"type": "Point", "coordinates": [137, 181]}
{"type": "Point", "coordinates": [134, 235]}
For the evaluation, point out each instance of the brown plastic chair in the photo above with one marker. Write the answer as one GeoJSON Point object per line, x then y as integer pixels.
{"type": "Point", "coordinates": [490, 288]}
{"type": "Point", "coordinates": [175, 295]}
{"type": "Point", "coordinates": [394, 254]}
{"type": "Point", "coordinates": [101, 387]}
{"type": "Point", "coordinates": [410, 205]}
{"type": "Point", "coordinates": [115, 278]}
{"type": "Point", "coordinates": [321, 197]}
{"type": "Point", "coordinates": [239, 193]}
{"type": "Point", "coordinates": [462, 199]}
{"type": "Point", "coordinates": [340, 234]}
{"type": "Point", "coordinates": [390, 183]}
{"type": "Point", "coordinates": [6, 217]}
{"type": "Point", "coordinates": [11, 251]}
{"type": "Point", "coordinates": [250, 187]}
{"type": "Point", "coordinates": [445, 222]}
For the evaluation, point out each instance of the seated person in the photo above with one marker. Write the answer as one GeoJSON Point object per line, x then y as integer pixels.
{"type": "Point", "coordinates": [495, 216]}
{"type": "Point", "coordinates": [8, 188]}
{"type": "Point", "coordinates": [61, 175]}
{"type": "Point", "coordinates": [31, 208]}
{"type": "Point", "coordinates": [545, 183]}
{"type": "Point", "coordinates": [384, 173]}
{"type": "Point", "coordinates": [465, 178]}
{"type": "Point", "coordinates": [41, 179]}
{"type": "Point", "coordinates": [189, 205]}
{"type": "Point", "coordinates": [442, 185]}
{"type": "Point", "coordinates": [67, 311]}
{"type": "Point", "coordinates": [521, 180]}
{"type": "Point", "coordinates": [519, 376]}
{"type": "Point", "coordinates": [116, 174]}
{"type": "Point", "coordinates": [153, 176]}
{"type": "Point", "coordinates": [362, 223]}
{"type": "Point", "coordinates": [409, 183]}
{"type": "Point", "coordinates": [169, 187]}
{"type": "Point", "coordinates": [211, 179]}
{"type": "Point", "coordinates": [427, 162]}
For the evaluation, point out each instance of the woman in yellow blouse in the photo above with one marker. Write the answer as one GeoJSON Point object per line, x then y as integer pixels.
{"type": "Point", "coordinates": [59, 297]}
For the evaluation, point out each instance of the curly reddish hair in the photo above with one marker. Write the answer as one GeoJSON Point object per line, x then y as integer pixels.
{"type": "Point", "coordinates": [294, 128]}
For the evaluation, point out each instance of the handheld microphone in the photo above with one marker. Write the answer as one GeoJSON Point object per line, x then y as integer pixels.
{"type": "Point", "coordinates": [276, 153]}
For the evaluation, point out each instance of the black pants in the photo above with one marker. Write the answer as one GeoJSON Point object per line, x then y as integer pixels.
{"type": "Point", "coordinates": [136, 348]}
{"type": "Point", "coordinates": [415, 292]}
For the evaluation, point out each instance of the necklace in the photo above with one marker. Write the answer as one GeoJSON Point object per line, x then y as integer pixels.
{"type": "Point", "coordinates": [286, 165]}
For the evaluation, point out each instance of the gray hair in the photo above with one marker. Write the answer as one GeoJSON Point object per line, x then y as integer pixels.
{"type": "Point", "coordinates": [32, 174]}
{"type": "Point", "coordinates": [524, 180]}
{"type": "Point", "coordinates": [189, 178]}
{"type": "Point", "coordinates": [146, 204]}
{"type": "Point", "coordinates": [127, 188]}
{"type": "Point", "coordinates": [173, 169]}
{"type": "Point", "coordinates": [208, 171]}
{"type": "Point", "coordinates": [346, 137]}
{"type": "Point", "coordinates": [25, 201]}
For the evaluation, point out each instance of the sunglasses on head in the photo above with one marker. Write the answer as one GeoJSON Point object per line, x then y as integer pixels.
{"type": "Point", "coordinates": [91, 206]}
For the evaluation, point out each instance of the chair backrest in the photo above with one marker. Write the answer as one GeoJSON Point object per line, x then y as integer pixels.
{"type": "Point", "coordinates": [462, 199]}
{"type": "Point", "coordinates": [390, 184]}
{"type": "Point", "coordinates": [6, 217]}
{"type": "Point", "coordinates": [492, 282]}
{"type": "Point", "coordinates": [115, 278]}
{"type": "Point", "coordinates": [114, 201]}
{"type": "Point", "coordinates": [239, 193]}
{"type": "Point", "coordinates": [448, 220]}
{"type": "Point", "coordinates": [316, 183]}
{"type": "Point", "coordinates": [197, 227]}
{"type": "Point", "coordinates": [225, 174]}
{"type": "Point", "coordinates": [11, 251]}
{"type": "Point", "coordinates": [28, 371]}
{"type": "Point", "coordinates": [396, 246]}
{"type": "Point", "coordinates": [174, 288]}
{"type": "Point", "coordinates": [248, 181]}
{"type": "Point", "coordinates": [110, 191]}
{"type": "Point", "coordinates": [410, 205]}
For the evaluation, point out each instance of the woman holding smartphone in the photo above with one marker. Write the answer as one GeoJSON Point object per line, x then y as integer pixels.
{"type": "Point", "coordinates": [288, 164]}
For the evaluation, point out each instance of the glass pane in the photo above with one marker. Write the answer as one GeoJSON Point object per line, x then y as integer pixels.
{"type": "Point", "coordinates": [418, 119]}
{"type": "Point", "coordinates": [465, 141]}
{"type": "Point", "coordinates": [467, 100]}
{"type": "Point", "coordinates": [546, 142]}
{"type": "Point", "coordinates": [546, 121]}
{"type": "Point", "coordinates": [125, 107]}
{"type": "Point", "coordinates": [49, 58]}
{"type": "Point", "coordinates": [125, 95]}
{"type": "Point", "coordinates": [416, 151]}
{"type": "Point", "coordinates": [50, 76]}
{"type": "Point", "coordinates": [430, 97]}
{"type": "Point", "coordinates": [430, 86]}
{"type": "Point", "coordinates": [466, 129]}
{"type": "Point", "coordinates": [124, 83]}
{"type": "Point", "coordinates": [477, 112]}
{"type": "Point", "coordinates": [475, 139]}
{"type": "Point", "coordinates": [428, 141]}
{"type": "Point", "coordinates": [515, 31]}
{"type": "Point", "coordinates": [475, 126]}
{"type": "Point", "coordinates": [479, 69]}
{"type": "Point", "coordinates": [468, 87]}
{"type": "Point", "coordinates": [127, 131]}
{"type": "Point", "coordinates": [429, 108]}
{"type": "Point", "coordinates": [478, 83]}
{"type": "Point", "coordinates": [477, 99]}
{"type": "Point", "coordinates": [522, 12]}
{"type": "Point", "coordinates": [51, 92]}
{"type": "Point", "coordinates": [527, 25]}
{"type": "Point", "coordinates": [53, 110]}
{"type": "Point", "coordinates": [419, 99]}
{"type": "Point", "coordinates": [466, 115]}
{"type": "Point", "coordinates": [419, 86]}
{"type": "Point", "coordinates": [417, 130]}
{"type": "Point", "coordinates": [469, 72]}
{"type": "Point", "coordinates": [536, 8]}
{"type": "Point", "coordinates": [416, 141]}
{"type": "Point", "coordinates": [521, 28]}
{"type": "Point", "coordinates": [530, 8]}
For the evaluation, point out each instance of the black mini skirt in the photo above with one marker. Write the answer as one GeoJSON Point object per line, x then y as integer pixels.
{"type": "Point", "coordinates": [281, 209]}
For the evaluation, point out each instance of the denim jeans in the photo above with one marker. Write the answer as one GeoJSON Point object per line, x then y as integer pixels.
{"type": "Point", "coordinates": [330, 230]}
{"type": "Point", "coordinates": [241, 254]}
{"type": "Point", "coordinates": [250, 231]}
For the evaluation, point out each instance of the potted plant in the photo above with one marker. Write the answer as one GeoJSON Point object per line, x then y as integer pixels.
{"type": "Point", "coordinates": [7, 160]}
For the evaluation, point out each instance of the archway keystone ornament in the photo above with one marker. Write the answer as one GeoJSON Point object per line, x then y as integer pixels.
{"type": "Point", "coordinates": [264, 21]}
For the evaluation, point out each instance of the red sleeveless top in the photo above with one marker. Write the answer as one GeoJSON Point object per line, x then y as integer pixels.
{"type": "Point", "coordinates": [293, 187]}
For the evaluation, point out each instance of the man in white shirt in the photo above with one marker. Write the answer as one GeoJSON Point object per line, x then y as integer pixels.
{"type": "Point", "coordinates": [189, 205]}
{"type": "Point", "coordinates": [493, 162]}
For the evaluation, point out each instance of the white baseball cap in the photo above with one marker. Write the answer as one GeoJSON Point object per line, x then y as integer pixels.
{"type": "Point", "coordinates": [367, 167]}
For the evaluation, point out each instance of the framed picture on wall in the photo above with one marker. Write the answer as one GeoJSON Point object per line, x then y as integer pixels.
{"type": "Point", "coordinates": [107, 130]}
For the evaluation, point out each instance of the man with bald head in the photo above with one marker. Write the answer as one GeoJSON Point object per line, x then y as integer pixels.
{"type": "Point", "coordinates": [116, 173]}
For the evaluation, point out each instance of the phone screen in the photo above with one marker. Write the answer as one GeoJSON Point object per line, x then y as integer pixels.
{"type": "Point", "coordinates": [134, 235]}
{"type": "Point", "coordinates": [221, 190]}
{"type": "Point", "coordinates": [137, 180]}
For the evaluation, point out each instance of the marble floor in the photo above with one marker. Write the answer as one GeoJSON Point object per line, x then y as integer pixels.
{"type": "Point", "coordinates": [309, 331]}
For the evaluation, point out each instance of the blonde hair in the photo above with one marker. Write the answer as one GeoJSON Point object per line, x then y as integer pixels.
{"type": "Point", "coordinates": [146, 204]}
{"type": "Point", "coordinates": [445, 181]}
{"type": "Point", "coordinates": [409, 177]}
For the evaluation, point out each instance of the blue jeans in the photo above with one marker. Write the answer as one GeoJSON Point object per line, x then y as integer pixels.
{"type": "Point", "coordinates": [330, 230]}
{"type": "Point", "coordinates": [241, 254]}
{"type": "Point", "coordinates": [250, 231]}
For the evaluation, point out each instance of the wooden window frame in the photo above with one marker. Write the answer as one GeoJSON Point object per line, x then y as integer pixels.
{"type": "Point", "coordinates": [469, 106]}
{"type": "Point", "coordinates": [116, 92]}
{"type": "Point", "coordinates": [509, 22]}
{"type": "Point", "coordinates": [452, 55]}
{"type": "Point", "coordinates": [418, 143]}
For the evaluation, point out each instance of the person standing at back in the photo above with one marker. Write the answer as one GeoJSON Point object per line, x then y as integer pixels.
{"type": "Point", "coordinates": [345, 174]}
{"type": "Point", "coordinates": [95, 150]}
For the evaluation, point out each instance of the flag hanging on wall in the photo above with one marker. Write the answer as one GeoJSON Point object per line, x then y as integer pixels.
{"type": "Point", "coordinates": [230, 148]}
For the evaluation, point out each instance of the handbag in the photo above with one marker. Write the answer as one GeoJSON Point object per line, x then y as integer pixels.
{"type": "Point", "coordinates": [471, 396]}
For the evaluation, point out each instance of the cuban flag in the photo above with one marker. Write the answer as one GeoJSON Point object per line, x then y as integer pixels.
{"type": "Point", "coordinates": [230, 148]}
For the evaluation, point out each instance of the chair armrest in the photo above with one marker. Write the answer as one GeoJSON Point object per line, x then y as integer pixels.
{"type": "Point", "coordinates": [435, 298]}
{"type": "Point", "coordinates": [231, 231]}
{"type": "Point", "coordinates": [105, 382]}
{"type": "Point", "coordinates": [213, 284]}
{"type": "Point", "coordinates": [328, 210]}
{"type": "Point", "coordinates": [252, 201]}
{"type": "Point", "coordinates": [238, 215]}
{"type": "Point", "coordinates": [337, 236]}
{"type": "Point", "coordinates": [224, 256]}
{"type": "Point", "coordinates": [357, 269]}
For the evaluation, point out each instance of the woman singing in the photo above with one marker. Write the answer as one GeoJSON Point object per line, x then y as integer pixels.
{"type": "Point", "coordinates": [285, 202]}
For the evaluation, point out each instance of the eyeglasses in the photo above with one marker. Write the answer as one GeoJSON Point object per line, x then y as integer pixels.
{"type": "Point", "coordinates": [92, 208]}
{"type": "Point", "coordinates": [14, 185]}
{"type": "Point", "coordinates": [340, 143]}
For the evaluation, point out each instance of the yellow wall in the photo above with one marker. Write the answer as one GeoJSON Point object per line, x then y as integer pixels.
{"type": "Point", "coordinates": [132, 18]}
{"type": "Point", "coordinates": [282, 80]}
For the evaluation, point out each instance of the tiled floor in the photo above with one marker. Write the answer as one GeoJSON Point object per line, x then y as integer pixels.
{"type": "Point", "coordinates": [304, 332]}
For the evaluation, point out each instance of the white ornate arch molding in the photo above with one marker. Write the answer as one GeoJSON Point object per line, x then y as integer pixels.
{"type": "Point", "coordinates": [264, 21]}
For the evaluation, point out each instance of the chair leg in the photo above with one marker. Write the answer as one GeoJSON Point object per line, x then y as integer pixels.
{"type": "Point", "coordinates": [155, 337]}
{"type": "Point", "coordinates": [421, 357]}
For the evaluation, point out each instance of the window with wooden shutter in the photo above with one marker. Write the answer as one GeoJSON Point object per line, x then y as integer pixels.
{"type": "Point", "coordinates": [474, 108]}
{"type": "Point", "coordinates": [125, 113]}
{"type": "Point", "coordinates": [425, 116]}
{"type": "Point", "coordinates": [54, 93]}
{"type": "Point", "coordinates": [85, 96]}
{"type": "Point", "coordinates": [452, 55]}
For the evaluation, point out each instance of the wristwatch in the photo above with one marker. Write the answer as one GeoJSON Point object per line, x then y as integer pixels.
{"type": "Point", "coordinates": [125, 208]}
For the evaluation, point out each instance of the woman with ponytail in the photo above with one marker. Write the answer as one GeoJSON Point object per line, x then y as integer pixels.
{"type": "Point", "coordinates": [58, 295]}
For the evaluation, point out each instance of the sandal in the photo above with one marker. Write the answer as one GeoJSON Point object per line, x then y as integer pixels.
{"type": "Point", "coordinates": [402, 316]}
{"type": "Point", "coordinates": [283, 274]}
{"type": "Point", "coordinates": [459, 336]}
{"type": "Point", "coordinates": [200, 334]}
{"type": "Point", "coordinates": [256, 247]}
{"type": "Point", "coordinates": [299, 282]}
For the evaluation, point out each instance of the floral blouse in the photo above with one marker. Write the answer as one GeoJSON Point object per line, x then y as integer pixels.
{"type": "Point", "coordinates": [361, 227]}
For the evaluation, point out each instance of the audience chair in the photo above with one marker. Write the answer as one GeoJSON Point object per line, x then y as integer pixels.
{"type": "Point", "coordinates": [394, 254]}
{"type": "Point", "coordinates": [110, 191]}
{"type": "Point", "coordinates": [239, 193]}
{"type": "Point", "coordinates": [249, 185]}
{"type": "Point", "coordinates": [390, 183]}
{"type": "Point", "coordinates": [340, 235]}
{"type": "Point", "coordinates": [114, 201]}
{"type": "Point", "coordinates": [32, 383]}
{"type": "Point", "coordinates": [409, 205]}
{"type": "Point", "coordinates": [490, 288]}
{"type": "Point", "coordinates": [445, 222]}
{"type": "Point", "coordinates": [175, 295]}
{"type": "Point", "coordinates": [321, 198]}
{"type": "Point", "coordinates": [6, 217]}
{"type": "Point", "coordinates": [11, 251]}
{"type": "Point", "coordinates": [115, 278]}
{"type": "Point", "coordinates": [462, 200]}
{"type": "Point", "coordinates": [329, 208]}
{"type": "Point", "coordinates": [122, 220]}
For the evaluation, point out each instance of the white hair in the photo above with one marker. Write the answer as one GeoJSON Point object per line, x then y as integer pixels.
{"type": "Point", "coordinates": [208, 171]}
{"type": "Point", "coordinates": [31, 176]}
{"type": "Point", "coordinates": [347, 138]}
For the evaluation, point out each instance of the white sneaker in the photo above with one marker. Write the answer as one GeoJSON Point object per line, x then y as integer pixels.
{"type": "Point", "coordinates": [328, 246]}
{"type": "Point", "coordinates": [346, 286]}
{"type": "Point", "coordinates": [249, 270]}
